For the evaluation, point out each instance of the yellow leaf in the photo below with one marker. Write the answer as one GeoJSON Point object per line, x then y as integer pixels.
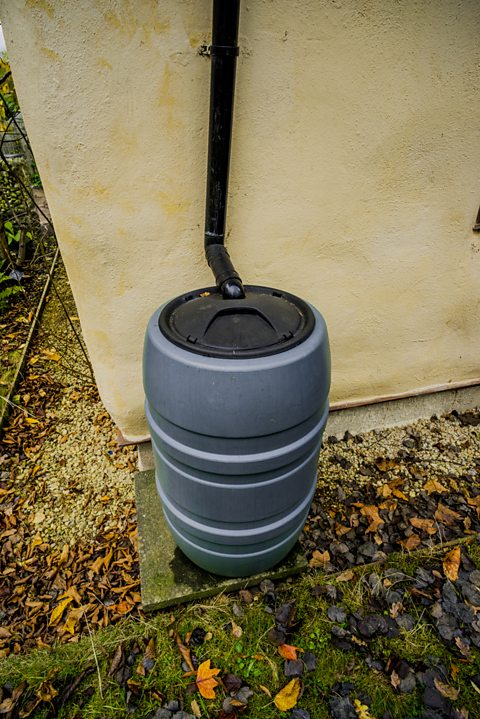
{"type": "Point", "coordinates": [205, 680]}
{"type": "Point", "coordinates": [32, 420]}
{"type": "Point", "coordinates": [451, 564]}
{"type": "Point", "coordinates": [58, 611]}
{"type": "Point", "coordinates": [362, 710]}
{"type": "Point", "coordinates": [51, 354]}
{"type": "Point", "coordinates": [288, 696]}
{"type": "Point", "coordinates": [265, 690]}
{"type": "Point", "coordinates": [36, 542]}
{"type": "Point", "coordinates": [71, 622]}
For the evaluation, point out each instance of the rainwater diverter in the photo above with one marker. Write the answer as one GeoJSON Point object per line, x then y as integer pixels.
{"type": "Point", "coordinates": [236, 381]}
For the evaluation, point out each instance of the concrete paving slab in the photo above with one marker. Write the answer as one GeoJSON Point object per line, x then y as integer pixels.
{"type": "Point", "coordinates": [167, 576]}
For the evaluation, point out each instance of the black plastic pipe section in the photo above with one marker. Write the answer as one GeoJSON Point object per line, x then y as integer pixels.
{"type": "Point", "coordinates": [224, 51]}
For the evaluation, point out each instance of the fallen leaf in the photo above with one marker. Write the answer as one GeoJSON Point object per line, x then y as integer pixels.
{"type": "Point", "coordinates": [57, 613]}
{"type": "Point", "coordinates": [370, 511]}
{"type": "Point", "coordinates": [446, 515]}
{"type": "Point", "coordinates": [195, 709]}
{"type": "Point", "coordinates": [454, 669]}
{"type": "Point", "coordinates": [426, 525]}
{"type": "Point", "coordinates": [411, 543]}
{"type": "Point", "coordinates": [474, 502]}
{"type": "Point", "coordinates": [205, 680]}
{"type": "Point", "coordinates": [446, 690]}
{"type": "Point", "coordinates": [384, 464]}
{"type": "Point", "coordinates": [319, 559]}
{"type": "Point", "coordinates": [341, 529]}
{"type": "Point", "coordinates": [265, 690]}
{"type": "Point", "coordinates": [345, 576]}
{"type": "Point", "coordinates": [451, 564]}
{"type": "Point", "coordinates": [185, 652]}
{"type": "Point", "coordinates": [433, 485]}
{"type": "Point", "coordinates": [395, 680]}
{"type": "Point", "coordinates": [362, 710]}
{"type": "Point", "coordinates": [116, 661]}
{"type": "Point", "coordinates": [51, 354]}
{"type": "Point", "coordinates": [463, 647]}
{"type": "Point", "coordinates": [287, 651]}
{"type": "Point", "coordinates": [237, 631]}
{"type": "Point", "coordinates": [288, 696]}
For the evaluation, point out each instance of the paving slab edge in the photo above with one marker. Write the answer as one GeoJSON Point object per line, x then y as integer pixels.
{"type": "Point", "coordinates": [151, 567]}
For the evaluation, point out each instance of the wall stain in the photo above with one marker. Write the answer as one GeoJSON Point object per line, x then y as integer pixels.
{"type": "Point", "coordinates": [103, 63]}
{"type": "Point", "coordinates": [40, 5]}
{"type": "Point", "coordinates": [51, 53]}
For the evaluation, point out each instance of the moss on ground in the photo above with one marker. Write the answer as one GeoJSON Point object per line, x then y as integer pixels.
{"type": "Point", "coordinates": [250, 656]}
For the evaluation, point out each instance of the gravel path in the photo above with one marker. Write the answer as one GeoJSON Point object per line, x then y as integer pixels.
{"type": "Point", "coordinates": [80, 476]}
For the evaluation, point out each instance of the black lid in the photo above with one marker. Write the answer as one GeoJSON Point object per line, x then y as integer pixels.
{"type": "Point", "coordinates": [264, 322]}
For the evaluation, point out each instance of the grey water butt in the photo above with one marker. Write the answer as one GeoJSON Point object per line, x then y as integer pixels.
{"type": "Point", "coordinates": [236, 381]}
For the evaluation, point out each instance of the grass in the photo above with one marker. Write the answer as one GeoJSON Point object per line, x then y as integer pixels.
{"type": "Point", "coordinates": [250, 656]}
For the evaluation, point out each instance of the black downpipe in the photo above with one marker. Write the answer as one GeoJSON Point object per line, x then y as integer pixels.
{"type": "Point", "coordinates": [224, 51]}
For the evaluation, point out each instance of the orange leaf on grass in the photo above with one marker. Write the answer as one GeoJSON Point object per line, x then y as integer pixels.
{"type": "Point", "coordinates": [287, 651]}
{"type": "Point", "coordinates": [205, 680]}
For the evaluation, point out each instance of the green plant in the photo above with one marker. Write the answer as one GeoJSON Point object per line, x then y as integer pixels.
{"type": "Point", "coordinates": [6, 290]}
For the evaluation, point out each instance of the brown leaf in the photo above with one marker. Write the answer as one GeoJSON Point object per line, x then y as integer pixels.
{"type": "Point", "coordinates": [446, 515]}
{"type": "Point", "coordinates": [411, 543]}
{"type": "Point", "coordinates": [345, 576]}
{"type": "Point", "coordinates": [451, 564]}
{"type": "Point", "coordinates": [370, 511]}
{"type": "Point", "coordinates": [237, 631]}
{"type": "Point", "coordinates": [116, 661]}
{"type": "Point", "coordinates": [426, 525]}
{"type": "Point", "coordinates": [463, 648]}
{"type": "Point", "coordinates": [205, 680]}
{"type": "Point", "coordinates": [151, 652]}
{"type": "Point", "coordinates": [341, 529]}
{"type": "Point", "coordinates": [288, 696]}
{"type": "Point", "coordinates": [446, 690]}
{"type": "Point", "coordinates": [433, 485]}
{"type": "Point", "coordinates": [395, 680]}
{"type": "Point", "coordinates": [319, 559]}
{"type": "Point", "coordinates": [384, 464]}
{"type": "Point", "coordinates": [185, 652]}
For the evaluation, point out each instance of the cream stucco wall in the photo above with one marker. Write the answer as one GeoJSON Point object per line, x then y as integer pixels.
{"type": "Point", "coordinates": [354, 183]}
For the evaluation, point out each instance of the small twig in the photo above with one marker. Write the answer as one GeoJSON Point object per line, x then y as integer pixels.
{"type": "Point", "coordinates": [94, 655]}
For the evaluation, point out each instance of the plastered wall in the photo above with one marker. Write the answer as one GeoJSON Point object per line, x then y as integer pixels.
{"type": "Point", "coordinates": [354, 178]}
